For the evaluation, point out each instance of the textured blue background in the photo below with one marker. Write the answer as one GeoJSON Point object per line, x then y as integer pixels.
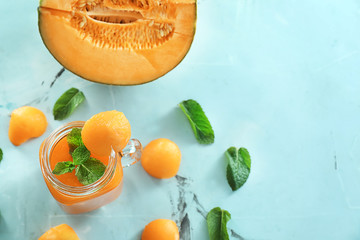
{"type": "Point", "coordinates": [280, 78]}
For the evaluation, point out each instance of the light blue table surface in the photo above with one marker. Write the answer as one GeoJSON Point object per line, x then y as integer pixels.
{"type": "Point", "coordinates": [281, 78]}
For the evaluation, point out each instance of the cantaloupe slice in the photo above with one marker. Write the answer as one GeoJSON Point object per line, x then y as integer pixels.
{"type": "Point", "coordinates": [121, 42]}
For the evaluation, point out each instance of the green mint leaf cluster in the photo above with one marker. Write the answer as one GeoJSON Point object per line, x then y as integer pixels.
{"type": "Point", "coordinates": [238, 168]}
{"type": "Point", "coordinates": [90, 171]}
{"type": "Point", "coordinates": [1, 154]}
{"type": "Point", "coordinates": [74, 139]}
{"type": "Point", "coordinates": [198, 121]}
{"type": "Point", "coordinates": [216, 220]}
{"type": "Point", "coordinates": [87, 169]}
{"type": "Point", "coordinates": [80, 155]}
{"type": "Point", "coordinates": [63, 167]}
{"type": "Point", "coordinates": [67, 103]}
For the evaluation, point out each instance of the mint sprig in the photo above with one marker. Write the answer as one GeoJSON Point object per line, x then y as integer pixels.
{"type": "Point", "coordinates": [67, 103]}
{"type": "Point", "coordinates": [90, 171]}
{"type": "Point", "coordinates": [80, 155]}
{"type": "Point", "coordinates": [238, 168]}
{"type": "Point", "coordinates": [216, 220]}
{"type": "Point", "coordinates": [198, 121]}
{"type": "Point", "coordinates": [74, 139]}
{"type": "Point", "coordinates": [87, 169]}
{"type": "Point", "coordinates": [63, 167]}
{"type": "Point", "coordinates": [1, 154]}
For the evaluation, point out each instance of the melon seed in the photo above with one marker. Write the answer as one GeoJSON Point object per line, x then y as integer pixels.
{"type": "Point", "coordinates": [121, 18]}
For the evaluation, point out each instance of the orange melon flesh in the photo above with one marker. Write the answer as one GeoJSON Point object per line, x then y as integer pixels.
{"type": "Point", "coordinates": [61, 232]}
{"type": "Point", "coordinates": [87, 37]}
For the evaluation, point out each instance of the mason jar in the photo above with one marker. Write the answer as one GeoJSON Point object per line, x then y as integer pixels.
{"type": "Point", "coordinates": [81, 199]}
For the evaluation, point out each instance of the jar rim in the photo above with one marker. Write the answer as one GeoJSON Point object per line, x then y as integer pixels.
{"type": "Point", "coordinates": [45, 153]}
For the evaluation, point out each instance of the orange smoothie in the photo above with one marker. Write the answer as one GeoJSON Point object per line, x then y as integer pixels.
{"type": "Point", "coordinates": [71, 195]}
{"type": "Point", "coordinates": [61, 154]}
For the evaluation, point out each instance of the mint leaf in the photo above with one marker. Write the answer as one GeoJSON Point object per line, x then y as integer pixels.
{"type": "Point", "coordinates": [198, 121]}
{"type": "Point", "coordinates": [1, 154]}
{"type": "Point", "coordinates": [244, 154]}
{"type": "Point", "coordinates": [216, 221]}
{"type": "Point", "coordinates": [238, 168]}
{"type": "Point", "coordinates": [90, 171]}
{"type": "Point", "coordinates": [67, 103]}
{"type": "Point", "coordinates": [80, 155]}
{"type": "Point", "coordinates": [74, 139]}
{"type": "Point", "coordinates": [63, 167]}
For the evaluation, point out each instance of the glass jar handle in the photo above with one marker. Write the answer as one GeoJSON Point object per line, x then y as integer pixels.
{"type": "Point", "coordinates": [131, 154]}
